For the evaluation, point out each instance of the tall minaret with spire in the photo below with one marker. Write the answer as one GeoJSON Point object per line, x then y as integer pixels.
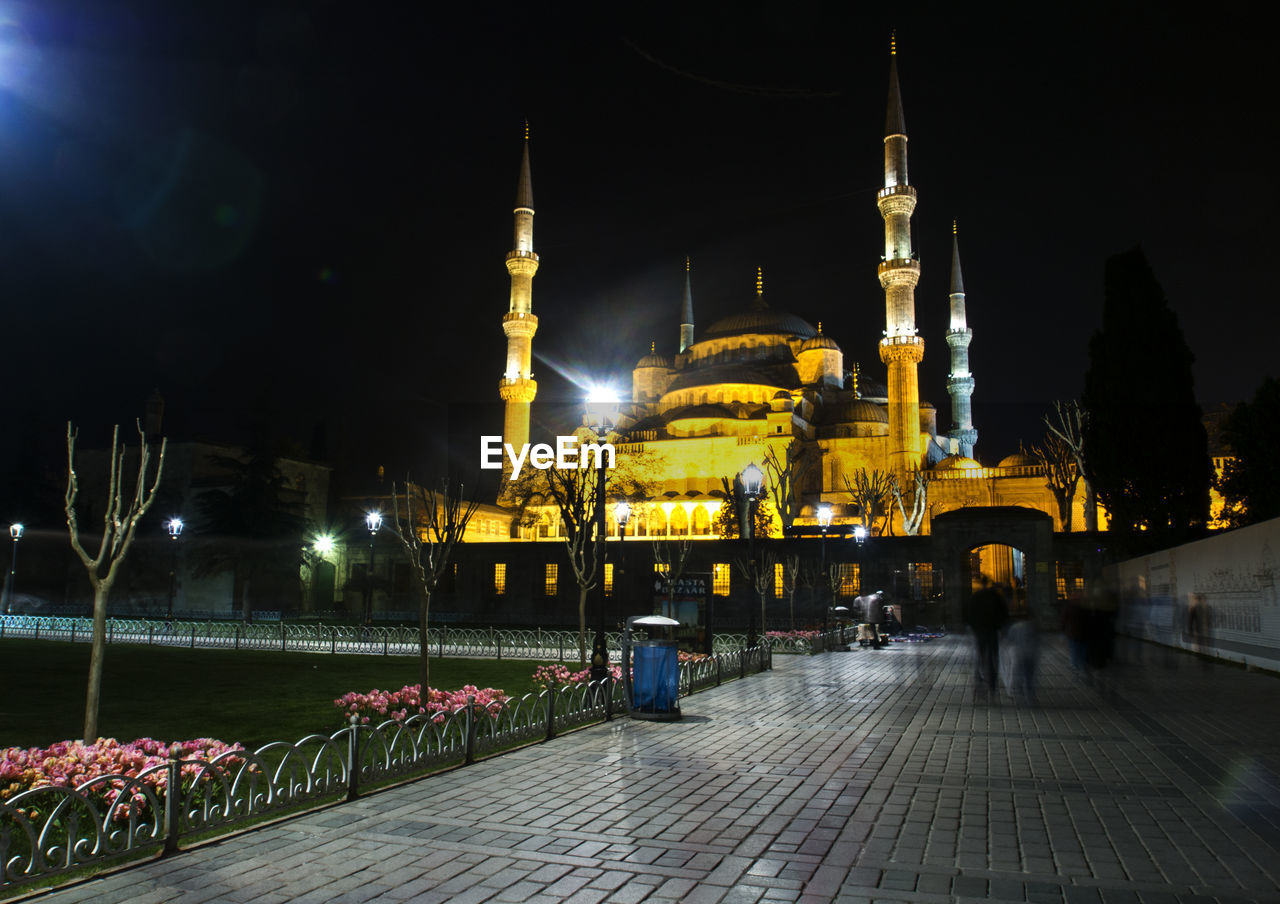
{"type": "Point", "coordinates": [518, 387]}
{"type": "Point", "coordinates": [900, 349]}
{"type": "Point", "coordinates": [960, 381]}
{"type": "Point", "coordinates": [686, 312]}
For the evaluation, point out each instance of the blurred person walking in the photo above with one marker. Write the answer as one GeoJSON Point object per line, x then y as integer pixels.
{"type": "Point", "coordinates": [985, 614]}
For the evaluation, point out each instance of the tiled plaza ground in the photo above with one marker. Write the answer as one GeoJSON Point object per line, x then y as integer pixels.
{"type": "Point", "coordinates": [869, 775]}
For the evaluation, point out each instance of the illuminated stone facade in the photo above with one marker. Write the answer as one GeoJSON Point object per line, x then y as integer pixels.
{"type": "Point", "coordinates": [764, 379]}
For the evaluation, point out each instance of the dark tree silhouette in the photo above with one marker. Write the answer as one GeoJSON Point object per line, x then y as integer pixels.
{"type": "Point", "coordinates": [253, 528]}
{"type": "Point", "coordinates": [1145, 447]}
{"type": "Point", "coordinates": [1250, 483]}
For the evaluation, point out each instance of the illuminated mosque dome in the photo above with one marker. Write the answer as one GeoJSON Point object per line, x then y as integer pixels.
{"type": "Point", "coordinates": [760, 318]}
{"type": "Point", "coordinates": [957, 463]}
{"type": "Point", "coordinates": [1019, 459]}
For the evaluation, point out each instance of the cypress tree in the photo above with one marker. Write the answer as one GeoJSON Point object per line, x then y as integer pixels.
{"type": "Point", "coordinates": [1146, 449]}
{"type": "Point", "coordinates": [1250, 483]}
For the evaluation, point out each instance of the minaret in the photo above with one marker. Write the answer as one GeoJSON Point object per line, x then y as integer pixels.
{"type": "Point", "coordinates": [900, 349]}
{"type": "Point", "coordinates": [960, 381]}
{"type": "Point", "coordinates": [518, 387]}
{"type": "Point", "coordinates": [686, 312]}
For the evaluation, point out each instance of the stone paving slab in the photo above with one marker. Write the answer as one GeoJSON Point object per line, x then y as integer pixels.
{"type": "Point", "coordinates": [859, 776]}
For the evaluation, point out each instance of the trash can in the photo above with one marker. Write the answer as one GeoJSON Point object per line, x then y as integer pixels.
{"type": "Point", "coordinates": [655, 680]}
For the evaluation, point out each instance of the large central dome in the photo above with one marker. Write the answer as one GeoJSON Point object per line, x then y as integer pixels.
{"type": "Point", "coordinates": [760, 318]}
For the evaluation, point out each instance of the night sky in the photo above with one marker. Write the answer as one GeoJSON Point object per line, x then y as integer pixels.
{"type": "Point", "coordinates": [297, 213]}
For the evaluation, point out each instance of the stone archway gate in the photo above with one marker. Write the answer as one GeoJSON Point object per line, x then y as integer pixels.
{"type": "Point", "coordinates": [955, 533]}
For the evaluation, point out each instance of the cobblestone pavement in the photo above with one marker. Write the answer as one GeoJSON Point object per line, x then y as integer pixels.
{"type": "Point", "coordinates": [860, 776]}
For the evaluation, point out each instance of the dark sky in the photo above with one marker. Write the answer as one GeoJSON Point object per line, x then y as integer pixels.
{"type": "Point", "coordinates": [299, 212]}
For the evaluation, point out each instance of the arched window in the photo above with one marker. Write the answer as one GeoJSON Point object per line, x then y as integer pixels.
{"type": "Point", "coordinates": [679, 523]}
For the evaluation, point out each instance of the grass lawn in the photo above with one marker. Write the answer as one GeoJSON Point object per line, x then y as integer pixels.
{"type": "Point", "coordinates": [173, 694]}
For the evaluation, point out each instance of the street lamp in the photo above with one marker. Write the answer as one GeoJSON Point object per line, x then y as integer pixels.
{"type": "Point", "coordinates": [602, 415]}
{"type": "Point", "coordinates": [174, 528]}
{"type": "Point", "coordinates": [373, 521]}
{"type": "Point", "coordinates": [621, 514]}
{"type": "Point", "coordinates": [824, 522]}
{"type": "Point", "coordinates": [750, 480]}
{"type": "Point", "coordinates": [15, 533]}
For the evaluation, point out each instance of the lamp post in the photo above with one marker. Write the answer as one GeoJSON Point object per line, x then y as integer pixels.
{"type": "Point", "coordinates": [750, 481]}
{"type": "Point", "coordinates": [824, 522]}
{"type": "Point", "coordinates": [15, 533]}
{"type": "Point", "coordinates": [602, 414]}
{"type": "Point", "coordinates": [621, 514]}
{"type": "Point", "coordinates": [174, 528]}
{"type": "Point", "coordinates": [859, 538]}
{"type": "Point", "coordinates": [373, 521]}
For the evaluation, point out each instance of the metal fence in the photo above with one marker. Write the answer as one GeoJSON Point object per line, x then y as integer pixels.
{"type": "Point", "coordinates": [50, 832]}
{"type": "Point", "coordinates": [386, 640]}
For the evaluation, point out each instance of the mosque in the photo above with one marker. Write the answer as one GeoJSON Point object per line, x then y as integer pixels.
{"type": "Point", "coordinates": [764, 382]}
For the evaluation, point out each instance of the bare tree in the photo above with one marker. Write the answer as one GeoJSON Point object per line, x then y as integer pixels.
{"type": "Point", "coordinates": [574, 493]}
{"type": "Point", "coordinates": [434, 522]}
{"type": "Point", "coordinates": [119, 522]}
{"type": "Point", "coordinates": [791, 580]}
{"type": "Point", "coordinates": [919, 501]}
{"type": "Point", "coordinates": [760, 576]}
{"type": "Point", "coordinates": [672, 555]}
{"type": "Point", "coordinates": [1060, 473]}
{"type": "Point", "coordinates": [788, 473]}
{"type": "Point", "coordinates": [870, 493]}
{"type": "Point", "coordinates": [1069, 425]}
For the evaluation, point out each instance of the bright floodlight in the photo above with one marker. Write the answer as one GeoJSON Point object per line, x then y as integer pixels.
{"type": "Point", "coordinates": [174, 527]}
{"type": "Point", "coordinates": [602, 406]}
{"type": "Point", "coordinates": [323, 544]}
{"type": "Point", "coordinates": [859, 533]}
{"type": "Point", "coordinates": [622, 512]}
{"type": "Point", "coordinates": [16, 529]}
{"type": "Point", "coordinates": [824, 515]}
{"type": "Point", "coordinates": [373, 520]}
{"type": "Point", "coordinates": [752, 478]}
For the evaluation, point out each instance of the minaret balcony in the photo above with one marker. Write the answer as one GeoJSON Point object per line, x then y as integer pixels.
{"type": "Point", "coordinates": [898, 271]}
{"type": "Point", "coordinates": [531, 255]}
{"type": "Point", "coordinates": [890, 191]}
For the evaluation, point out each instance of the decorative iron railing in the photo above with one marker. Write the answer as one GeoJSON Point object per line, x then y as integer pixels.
{"type": "Point", "coordinates": [386, 640]}
{"type": "Point", "coordinates": [52, 832]}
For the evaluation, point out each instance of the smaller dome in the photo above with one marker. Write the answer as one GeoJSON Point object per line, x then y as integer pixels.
{"type": "Point", "coordinates": [957, 463]}
{"type": "Point", "coordinates": [1019, 459]}
{"type": "Point", "coordinates": [819, 342]}
{"type": "Point", "coordinates": [857, 411]}
{"type": "Point", "coordinates": [653, 359]}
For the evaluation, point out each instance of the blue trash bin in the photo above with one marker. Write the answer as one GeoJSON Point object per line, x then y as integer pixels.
{"type": "Point", "coordinates": [655, 679]}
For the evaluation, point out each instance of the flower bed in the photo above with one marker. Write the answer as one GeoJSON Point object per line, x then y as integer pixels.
{"type": "Point", "coordinates": [549, 677]}
{"type": "Point", "coordinates": [73, 764]}
{"type": "Point", "coordinates": [408, 701]}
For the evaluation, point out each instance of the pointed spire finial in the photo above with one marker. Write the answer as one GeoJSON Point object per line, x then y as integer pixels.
{"type": "Point", "coordinates": [819, 327]}
{"type": "Point", "coordinates": [954, 228]}
{"type": "Point", "coordinates": [895, 121]}
{"type": "Point", "coordinates": [524, 189]}
{"type": "Point", "coordinates": [653, 347]}
{"type": "Point", "coordinates": [686, 263]}
{"type": "Point", "coordinates": [760, 280]}
{"type": "Point", "coordinates": [957, 279]}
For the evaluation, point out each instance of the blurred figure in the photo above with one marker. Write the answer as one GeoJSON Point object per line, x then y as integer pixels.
{"type": "Point", "coordinates": [1075, 630]}
{"type": "Point", "coordinates": [986, 613]}
{"type": "Point", "coordinates": [1199, 622]}
{"type": "Point", "coordinates": [1098, 620]}
{"type": "Point", "coordinates": [1024, 639]}
{"type": "Point", "coordinates": [875, 618]}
